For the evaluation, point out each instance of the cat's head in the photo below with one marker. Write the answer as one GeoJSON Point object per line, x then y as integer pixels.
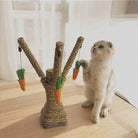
{"type": "Point", "coordinates": [102, 50]}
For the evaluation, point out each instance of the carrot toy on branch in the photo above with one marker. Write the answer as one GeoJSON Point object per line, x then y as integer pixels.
{"type": "Point", "coordinates": [20, 73]}
{"type": "Point", "coordinates": [76, 70]}
{"type": "Point", "coordinates": [77, 66]}
{"type": "Point", "coordinates": [58, 90]}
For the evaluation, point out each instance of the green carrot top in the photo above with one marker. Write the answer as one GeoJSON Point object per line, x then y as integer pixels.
{"type": "Point", "coordinates": [77, 65]}
{"type": "Point", "coordinates": [59, 82]}
{"type": "Point", "coordinates": [20, 73]}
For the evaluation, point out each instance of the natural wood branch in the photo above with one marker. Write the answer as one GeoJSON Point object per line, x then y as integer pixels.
{"type": "Point", "coordinates": [58, 60]}
{"type": "Point", "coordinates": [72, 56]}
{"type": "Point", "coordinates": [31, 57]}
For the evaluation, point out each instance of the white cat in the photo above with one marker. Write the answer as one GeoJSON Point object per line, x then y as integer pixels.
{"type": "Point", "coordinates": [99, 79]}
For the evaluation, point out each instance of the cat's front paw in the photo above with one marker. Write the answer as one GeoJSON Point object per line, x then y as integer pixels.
{"type": "Point", "coordinates": [95, 119]}
{"type": "Point", "coordinates": [83, 63]}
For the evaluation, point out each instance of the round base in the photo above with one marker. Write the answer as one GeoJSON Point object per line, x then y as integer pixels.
{"type": "Point", "coordinates": [54, 125]}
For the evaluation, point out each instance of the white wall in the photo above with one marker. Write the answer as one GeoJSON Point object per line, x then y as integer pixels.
{"type": "Point", "coordinates": [123, 33]}
{"type": "Point", "coordinates": [125, 38]}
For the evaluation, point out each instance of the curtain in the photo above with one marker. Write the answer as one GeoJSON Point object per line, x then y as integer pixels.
{"type": "Point", "coordinates": [7, 43]}
{"type": "Point", "coordinates": [46, 23]}
{"type": "Point", "coordinates": [51, 29]}
{"type": "Point", "coordinates": [39, 24]}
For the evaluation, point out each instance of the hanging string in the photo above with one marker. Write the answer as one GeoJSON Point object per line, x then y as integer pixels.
{"type": "Point", "coordinates": [79, 53]}
{"type": "Point", "coordinates": [20, 60]}
{"type": "Point", "coordinates": [20, 73]}
{"type": "Point", "coordinates": [20, 50]}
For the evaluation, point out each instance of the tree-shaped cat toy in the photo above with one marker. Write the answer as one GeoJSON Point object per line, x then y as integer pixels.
{"type": "Point", "coordinates": [53, 114]}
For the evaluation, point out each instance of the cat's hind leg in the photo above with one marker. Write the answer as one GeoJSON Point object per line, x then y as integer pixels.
{"type": "Point", "coordinates": [90, 97]}
{"type": "Point", "coordinates": [104, 111]}
{"type": "Point", "coordinates": [87, 103]}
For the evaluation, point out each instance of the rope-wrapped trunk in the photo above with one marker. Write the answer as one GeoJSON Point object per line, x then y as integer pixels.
{"type": "Point", "coordinates": [58, 60]}
{"type": "Point", "coordinates": [52, 114]}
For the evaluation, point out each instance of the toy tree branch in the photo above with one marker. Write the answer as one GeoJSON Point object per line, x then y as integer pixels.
{"type": "Point", "coordinates": [58, 60]}
{"type": "Point", "coordinates": [72, 56]}
{"type": "Point", "coordinates": [53, 113]}
{"type": "Point", "coordinates": [31, 57]}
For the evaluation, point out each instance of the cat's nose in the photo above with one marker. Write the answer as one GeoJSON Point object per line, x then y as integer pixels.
{"type": "Point", "coordinates": [94, 49]}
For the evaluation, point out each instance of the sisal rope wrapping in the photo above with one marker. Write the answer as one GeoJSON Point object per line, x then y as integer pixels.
{"type": "Point", "coordinates": [72, 56]}
{"type": "Point", "coordinates": [31, 57]}
{"type": "Point", "coordinates": [58, 60]}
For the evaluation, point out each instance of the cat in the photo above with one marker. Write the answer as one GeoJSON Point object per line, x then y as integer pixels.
{"type": "Point", "coordinates": [99, 79]}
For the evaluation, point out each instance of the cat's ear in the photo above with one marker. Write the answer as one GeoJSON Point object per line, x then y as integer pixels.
{"type": "Point", "coordinates": [110, 45]}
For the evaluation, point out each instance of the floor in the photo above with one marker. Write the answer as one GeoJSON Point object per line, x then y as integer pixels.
{"type": "Point", "coordinates": [20, 115]}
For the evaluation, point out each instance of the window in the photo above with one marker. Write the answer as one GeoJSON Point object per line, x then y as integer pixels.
{"type": "Point", "coordinates": [125, 8]}
{"type": "Point", "coordinates": [41, 23]}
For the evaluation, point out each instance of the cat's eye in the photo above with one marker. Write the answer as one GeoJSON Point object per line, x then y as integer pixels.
{"type": "Point", "coordinates": [110, 45]}
{"type": "Point", "coordinates": [101, 46]}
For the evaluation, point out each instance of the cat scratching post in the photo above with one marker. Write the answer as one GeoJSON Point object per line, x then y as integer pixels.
{"type": "Point", "coordinates": [52, 114]}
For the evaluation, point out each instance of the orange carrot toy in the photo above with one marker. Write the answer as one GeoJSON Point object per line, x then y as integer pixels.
{"type": "Point", "coordinates": [20, 73]}
{"type": "Point", "coordinates": [76, 70]}
{"type": "Point", "coordinates": [77, 66]}
{"type": "Point", "coordinates": [58, 90]}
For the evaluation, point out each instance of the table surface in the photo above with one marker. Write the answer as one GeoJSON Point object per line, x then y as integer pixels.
{"type": "Point", "coordinates": [20, 115]}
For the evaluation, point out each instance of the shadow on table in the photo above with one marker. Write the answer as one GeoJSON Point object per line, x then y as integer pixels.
{"type": "Point", "coordinates": [30, 127]}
